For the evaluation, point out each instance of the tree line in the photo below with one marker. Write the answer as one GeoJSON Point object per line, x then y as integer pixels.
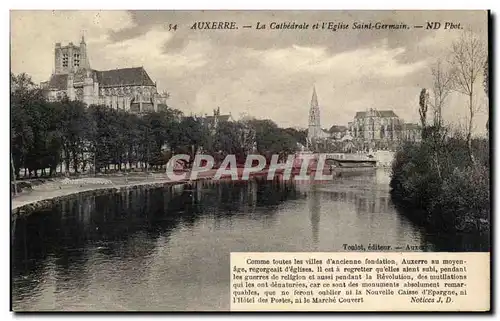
{"type": "Point", "coordinates": [447, 175]}
{"type": "Point", "coordinates": [47, 136]}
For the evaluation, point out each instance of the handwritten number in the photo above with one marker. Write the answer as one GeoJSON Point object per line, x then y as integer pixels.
{"type": "Point", "coordinates": [172, 27]}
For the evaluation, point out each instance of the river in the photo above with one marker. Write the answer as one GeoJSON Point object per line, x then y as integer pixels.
{"type": "Point", "coordinates": [168, 249]}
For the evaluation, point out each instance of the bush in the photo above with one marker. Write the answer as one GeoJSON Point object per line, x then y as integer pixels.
{"type": "Point", "coordinates": [438, 179]}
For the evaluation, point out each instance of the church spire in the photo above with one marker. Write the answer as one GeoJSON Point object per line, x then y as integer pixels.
{"type": "Point", "coordinates": [314, 99]}
{"type": "Point", "coordinates": [314, 118]}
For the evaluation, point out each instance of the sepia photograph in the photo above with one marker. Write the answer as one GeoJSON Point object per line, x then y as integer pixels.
{"type": "Point", "coordinates": [244, 160]}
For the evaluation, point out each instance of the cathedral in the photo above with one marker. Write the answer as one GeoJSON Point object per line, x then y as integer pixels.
{"type": "Point", "coordinates": [371, 129]}
{"type": "Point", "coordinates": [128, 89]}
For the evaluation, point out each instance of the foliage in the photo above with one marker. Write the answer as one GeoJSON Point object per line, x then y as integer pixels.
{"type": "Point", "coordinates": [423, 106]}
{"type": "Point", "coordinates": [231, 138]}
{"type": "Point", "coordinates": [447, 175]}
{"type": "Point", "coordinates": [97, 138]}
{"type": "Point", "coordinates": [300, 135]}
{"type": "Point", "coordinates": [270, 139]}
{"type": "Point", "coordinates": [453, 194]}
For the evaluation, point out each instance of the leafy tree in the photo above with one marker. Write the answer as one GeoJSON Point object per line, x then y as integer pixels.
{"type": "Point", "coordinates": [233, 138]}
{"type": "Point", "coordinates": [300, 135]}
{"type": "Point", "coordinates": [189, 136]}
{"type": "Point", "coordinates": [45, 134]}
{"type": "Point", "coordinates": [271, 139]}
{"type": "Point", "coordinates": [35, 139]}
{"type": "Point", "coordinates": [23, 95]}
{"type": "Point", "coordinates": [73, 124]}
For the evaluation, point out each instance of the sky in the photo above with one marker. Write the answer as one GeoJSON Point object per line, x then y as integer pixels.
{"type": "Point", "coordinates": [261, 73]}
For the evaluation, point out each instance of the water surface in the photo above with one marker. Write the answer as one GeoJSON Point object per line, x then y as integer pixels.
{"type": "Point", "coordinates": [168, 249]}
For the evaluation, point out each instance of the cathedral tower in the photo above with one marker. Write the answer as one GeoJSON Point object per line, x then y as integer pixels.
{"type": "Point", "coordinates": [84, 59]}
{"type": "Point", "coordinates": [70, 58]}
{"type": "Point", "coordinates": [314, 118]}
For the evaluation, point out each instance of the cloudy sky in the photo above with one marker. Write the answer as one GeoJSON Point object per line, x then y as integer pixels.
{"type": "Point", "coordinates": [262, 73]}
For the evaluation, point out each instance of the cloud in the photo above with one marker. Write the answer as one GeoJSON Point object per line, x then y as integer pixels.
{"type": "Point", "coordinates": [34, 34]}
{"type": "Point", "coordinates": [148, 51]}
{"type": "Point", "coordinates": [277, 83]}
{"type": "Point", "coordinates": [266, 75]}
{"type": "Point", "coordinates": [137, 51]}
{"type": "Point", "coordinates": [379, 61]}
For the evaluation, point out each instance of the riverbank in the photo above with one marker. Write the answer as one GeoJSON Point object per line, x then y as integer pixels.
{"type": "Point", "coordinates": [51, 192]}
{"type": "Point", "coordinates": [148, 251]}
{"type": "Point", "coordinates": [40, 194]}
{"type": "Point", "coordinates": [445, 190]}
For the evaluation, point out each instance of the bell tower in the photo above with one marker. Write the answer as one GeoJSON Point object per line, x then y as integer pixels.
{"type": "Point", "coordinates": [70, 58]}
{"type": "Point", "coordinates": [314, 118]}
{"type": "Point", "coordinates": [84, 59]}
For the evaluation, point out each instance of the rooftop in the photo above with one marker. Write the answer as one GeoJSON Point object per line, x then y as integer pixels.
{"type": "Point", "coordinates": [211, 119]}
{"type": "Point", "coordinates": [379, 113]}
{"type": "Point", "coordinates": [58, 82]}
{"type": "Point", "coordinates": [337, 129]}
{"type": "Point", "coordinates": [411, 126]}
{"type": "Point", "coordinates": [135, 76]}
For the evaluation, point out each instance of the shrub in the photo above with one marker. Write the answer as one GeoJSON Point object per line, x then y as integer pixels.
{"type": "Point", "coordinates": [439, 180]}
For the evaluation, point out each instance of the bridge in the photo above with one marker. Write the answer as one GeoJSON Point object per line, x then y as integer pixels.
{"type": "Point", "coordinates": [359, 160]}
{"type": "Point", "coordinates": [344, 160]}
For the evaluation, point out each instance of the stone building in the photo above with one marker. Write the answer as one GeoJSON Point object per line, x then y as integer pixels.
{"type": "Point", "coordinates": [370, 130]}
{"type": "Point", "coordinates": [381, 129]}
{"type": "Point", "coordinates": [129, 89]}
{"type": "Point", "coordinates": [411, 132]}
{"type": "Point", "coordinates": [375, 125]}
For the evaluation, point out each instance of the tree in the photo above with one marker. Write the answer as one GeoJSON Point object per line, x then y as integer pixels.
{"type": "Point", "coordinates": [191, 134]}
{"type": "Point", "coordinates": [24, 97]}
{"type": "Point", "coordinates": [73, 124]}
{"type": "Point", "coordinates": [441, 88]}
{"type": "Point", "coordinates": [486, 85]}
{"type": "Point", "coordinates": [299, 134]}
{"type": "Point", "coordinates": [486, 79]}
{"type": "Point", "coordinates": [157, 122]}
{"type": "Point", "coordinates": [270, 139]}
{"type": "Point", "coordinates": [104, 136]}
{"type": "Point", "coordinates": [467, 60]}
{"type": "Point", "coordinates": [235, 138]}
{"type": "Point", "coordinates": [423, 106]}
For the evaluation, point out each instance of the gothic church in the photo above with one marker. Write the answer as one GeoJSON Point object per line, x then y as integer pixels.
{"type": "Point", "coordinates": [129, 89]}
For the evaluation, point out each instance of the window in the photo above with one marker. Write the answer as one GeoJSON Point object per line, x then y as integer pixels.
{"type": "Point", "coordinates": [76, 60]}
{"type": "Point", "coordinates": [65, 60]}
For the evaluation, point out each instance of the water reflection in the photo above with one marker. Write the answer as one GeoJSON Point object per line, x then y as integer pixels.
{"type": "Point", "coordinates": [168, 249]}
